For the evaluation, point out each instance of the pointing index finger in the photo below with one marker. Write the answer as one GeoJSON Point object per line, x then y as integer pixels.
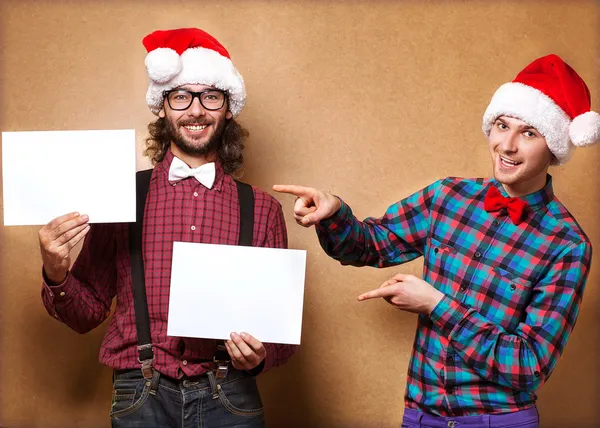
{"type": "Point", "coordinates": [299, 191]}
{"type": "Point", "coordinates": [378, 292]}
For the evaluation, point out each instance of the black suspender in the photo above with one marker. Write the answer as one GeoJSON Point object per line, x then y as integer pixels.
{"type": "Point", "coordinates": [142, 320]}
{"type": "Point", "coordinates": [138, 281]}
{"type": "Point", "coordinates": [246, 200]}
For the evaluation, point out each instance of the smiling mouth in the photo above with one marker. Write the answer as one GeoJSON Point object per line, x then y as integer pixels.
{"type": "Point", "coordinates": [508, 162]}
{"type": "Point", "coordinates": [195, 128]}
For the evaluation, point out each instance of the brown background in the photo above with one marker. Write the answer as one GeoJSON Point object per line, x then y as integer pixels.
{"type": "Point", "coordinates": [371, 100]}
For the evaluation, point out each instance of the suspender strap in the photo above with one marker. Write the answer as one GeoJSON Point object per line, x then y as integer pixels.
{"type": "Point", "coordinates": [246, 199]}
{"type": "Point", "coordinates": [246, 203]}
{"type": "Point", "coordinates": [142, 320]}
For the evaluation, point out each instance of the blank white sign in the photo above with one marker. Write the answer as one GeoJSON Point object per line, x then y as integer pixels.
{"type": "Point", "coordinates": [220, 289]}
{"type": "Point", "coordinates": [46, 174]}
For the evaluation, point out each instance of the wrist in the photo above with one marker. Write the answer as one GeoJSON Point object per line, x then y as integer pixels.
{"type": "Point", "coordinates": [54, 278]}
{"type": "Point", "coordinates": [337, 205]}
{"type": "Point", "coordinates": [436, 298]}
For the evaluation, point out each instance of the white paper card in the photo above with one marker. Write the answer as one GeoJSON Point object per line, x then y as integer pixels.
{"type": "Point", "coordinates": [220, 289]}
{"type": "Point", "coordinates": [46, 174]}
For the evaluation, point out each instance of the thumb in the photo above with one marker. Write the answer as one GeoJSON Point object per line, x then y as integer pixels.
{"type": "Point", "coordinates": [316, 216]}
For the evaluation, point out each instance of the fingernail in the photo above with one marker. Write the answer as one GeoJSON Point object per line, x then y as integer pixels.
{"type": "Point", "coordinates": [244, 335]}
{"type": "Point", "coordinates": [85, 217]}
{"type": "Point", "coordinates": [75, 214]}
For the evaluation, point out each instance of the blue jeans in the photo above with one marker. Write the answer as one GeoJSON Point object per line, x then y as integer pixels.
{"type": "Point", "coordinates": [185, 403]}
{"type": "Point", "coordinates": [527, 418]}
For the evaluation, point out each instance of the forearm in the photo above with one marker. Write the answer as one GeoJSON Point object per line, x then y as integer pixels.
{"type": "Point", "coordinates": [74, 304]}
{"type": "Point", "coordinates": [82, 301]}
{"type": "Point", "coordinates": [277, 354]}
{"type": "Point", "coordinates": [367, 243]}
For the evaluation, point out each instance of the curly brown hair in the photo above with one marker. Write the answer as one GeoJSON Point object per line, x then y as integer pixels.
{"type": "Point", "coordinates": [229, 152]}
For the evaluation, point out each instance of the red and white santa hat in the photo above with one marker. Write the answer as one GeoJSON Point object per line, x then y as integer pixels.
{"type": "Point", "coordinates": [190, 56]}
{"type": "Point", "coordinates": [550, 96]}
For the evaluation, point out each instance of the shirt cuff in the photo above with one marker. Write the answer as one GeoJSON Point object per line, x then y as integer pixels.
{"type": "Point", "coordinates": [448, 313]}
{"type": "Point", "coordinates": [340, 217]}
{"type": "Point", "coordinates": [258, 369]}
{"type": "Point", "coordinates": [268, 362]}
{"type": "Point", "coordinates": [59, 293]}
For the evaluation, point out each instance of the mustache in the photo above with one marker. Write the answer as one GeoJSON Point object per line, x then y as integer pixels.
{"type": "Point", "coordinates": [187, 122]}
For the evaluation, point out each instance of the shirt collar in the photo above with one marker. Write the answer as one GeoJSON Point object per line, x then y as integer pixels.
{"type": "Point", "coordinates": [165, 164]}
{"type": "Point", "coordinates": [535, 200]}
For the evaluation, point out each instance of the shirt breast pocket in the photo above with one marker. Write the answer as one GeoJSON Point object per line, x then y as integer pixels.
{"type": "Point", "coordinates": [443, 265]}
{"type": "Point", "coordinates": [504, 298]}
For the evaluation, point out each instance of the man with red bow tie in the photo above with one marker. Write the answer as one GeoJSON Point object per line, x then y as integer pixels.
{"type": "Point", "coordinates": [505, 264]}
{"type": "Point", "coordinates": [195, 145]}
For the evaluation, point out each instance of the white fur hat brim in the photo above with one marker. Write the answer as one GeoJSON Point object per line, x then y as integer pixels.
{"type": "Point", "coordinates": [195, 66]}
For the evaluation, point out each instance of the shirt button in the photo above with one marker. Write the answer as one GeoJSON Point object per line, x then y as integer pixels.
{"type": "Point", "coordinates": [536, 374]}
{"type": "Point", "coordinates": [193, 227]}
{"type": "Point", "coordinates": [196, 194]}
{"type": "Point", "coordinates": [436, 250]}
{"type": "Point", "coordinates": [512, 286]}
{"type": "Point", "coordinates": [62, 293]}
{"type": "Point", "coordinates": [463, 287]}
{"type": "Point", "coordinates": [477, 255]}
{"type": "Point", "coordinates": [184, 362]}
{"type": "Point", "coordinates": [496, 223]}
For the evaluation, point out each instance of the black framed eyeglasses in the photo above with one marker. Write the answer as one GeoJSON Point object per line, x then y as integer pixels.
{"type": "Point", "coordinates": [182, 99]}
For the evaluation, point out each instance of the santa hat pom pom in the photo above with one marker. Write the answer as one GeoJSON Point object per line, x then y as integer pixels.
{"type": "Point", "coordinates": [585, 129]}
{"type": "Point", "coordinates": [163, 64]}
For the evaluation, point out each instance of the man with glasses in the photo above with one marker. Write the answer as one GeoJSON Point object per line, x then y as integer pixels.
{"type": "Point", "coordinates": [195, 145]}
{"type": "Point", "coordinates": [505, 263]}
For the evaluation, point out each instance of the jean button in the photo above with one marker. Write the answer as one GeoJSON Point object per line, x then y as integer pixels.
{"type": "Point", "coordinates": [451, 424]}
{"type": "Point", "coordinates": [186, 383]}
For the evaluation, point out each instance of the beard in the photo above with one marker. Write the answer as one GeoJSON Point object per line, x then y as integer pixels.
{"type": "Point", "coordinates": [187, 147]}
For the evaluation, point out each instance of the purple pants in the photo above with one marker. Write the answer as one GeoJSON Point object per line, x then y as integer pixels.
{"type": "Point", "coordinates": [527, 418]}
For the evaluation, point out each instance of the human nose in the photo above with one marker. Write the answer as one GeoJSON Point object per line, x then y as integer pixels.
{"type": "Point", "coordinates": [509, 143]}
{"type": "Point", "coordinates": [196, 108]}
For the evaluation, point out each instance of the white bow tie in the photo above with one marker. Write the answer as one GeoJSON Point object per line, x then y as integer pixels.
{"type": "Point", "coordinates": [205, 174]}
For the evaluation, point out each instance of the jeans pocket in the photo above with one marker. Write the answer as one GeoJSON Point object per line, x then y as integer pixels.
{"type": "Point", "coordinates": [241, 397]}
{"type": "Point", "coordinates": [128, 396]}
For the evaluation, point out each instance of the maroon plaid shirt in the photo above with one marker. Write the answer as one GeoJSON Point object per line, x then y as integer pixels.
{"type": "Point", "coordinates": [183, 211]}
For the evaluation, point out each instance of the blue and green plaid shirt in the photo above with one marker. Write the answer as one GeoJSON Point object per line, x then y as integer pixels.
{"type": "Point", "coordinates": [511, 292]}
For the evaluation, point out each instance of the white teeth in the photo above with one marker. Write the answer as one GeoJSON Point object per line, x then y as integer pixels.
{"type": "Point", "coordinates": [195, 127]}
{"type": "Point", "coordinates": [508, 162]}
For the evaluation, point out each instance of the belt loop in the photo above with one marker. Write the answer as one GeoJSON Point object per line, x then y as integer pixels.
{"type": "Point", "coordinates": [214, 387]}
{"type": "Point", "coordinates": [154, 382]}
{"type": "Point", "coordinates": [420, 415]}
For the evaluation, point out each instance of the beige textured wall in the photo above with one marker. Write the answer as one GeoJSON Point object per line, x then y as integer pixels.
{"type": "Point", "coordinates": [371, 100]}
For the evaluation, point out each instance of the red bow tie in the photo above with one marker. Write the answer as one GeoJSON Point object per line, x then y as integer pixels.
{"type": "Point", "coordinates": [494, 201]}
